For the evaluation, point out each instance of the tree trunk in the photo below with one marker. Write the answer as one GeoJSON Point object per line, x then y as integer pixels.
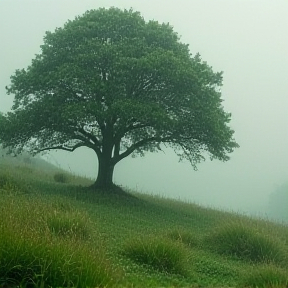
{"type": "Point", "coordinates": [105, 174]}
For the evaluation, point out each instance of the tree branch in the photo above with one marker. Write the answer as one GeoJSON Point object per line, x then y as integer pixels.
{"type": "Point", "coordinates": [89, 136]}
{"type": "Point", "coordinates": [139, 144]}
{"type": "Point", "coordinates": [61, 147]}
{"type": "Point", "coordinates": [132, 127]}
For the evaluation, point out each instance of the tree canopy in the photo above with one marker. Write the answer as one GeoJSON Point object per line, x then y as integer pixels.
{"type": "Point", "coordinates": [110, 81]}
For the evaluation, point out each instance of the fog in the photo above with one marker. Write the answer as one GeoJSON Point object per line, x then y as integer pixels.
{"type": "Point", "coordinates": [246, 39]}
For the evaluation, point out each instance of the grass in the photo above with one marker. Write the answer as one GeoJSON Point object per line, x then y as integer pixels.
{"type": "Point", "coordinates": [187, 238]}
{"type": "Point", "coordinates": [60, 234]}
{"type": "Point", "coordinates": [33, 255]}
{"type": "Point", "coordinates": [245, 243]}
{"type": "Point", "coordinates": [69, 224]}
{"type": "Point", "coordinates": [160, 254]}
{"type": "Point", "coordinates": [266, 276]}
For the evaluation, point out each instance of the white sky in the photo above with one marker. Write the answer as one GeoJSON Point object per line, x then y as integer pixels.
{"type": "Point", "coordinates": [247, 39]}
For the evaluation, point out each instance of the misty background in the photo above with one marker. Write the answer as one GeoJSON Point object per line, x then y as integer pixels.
{"type": "Point", "coordinates": [247, 39]}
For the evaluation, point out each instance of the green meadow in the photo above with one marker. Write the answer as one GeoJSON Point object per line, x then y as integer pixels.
{"type": "Point", "coordinates": [55, 232]}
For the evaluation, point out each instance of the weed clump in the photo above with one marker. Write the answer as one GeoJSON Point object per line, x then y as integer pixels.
{"type": "Point", "coordinates": [245, 243]}
{"type": "Point", "coordinates": [61, 178]}
{"type": "Point", "coordinates": [185, 237]}
{"type": "Point", "coordinates": [158, 253]}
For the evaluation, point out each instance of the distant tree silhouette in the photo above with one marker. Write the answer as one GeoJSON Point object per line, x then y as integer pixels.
{"type": "Point", "coordinates": [278, 204]}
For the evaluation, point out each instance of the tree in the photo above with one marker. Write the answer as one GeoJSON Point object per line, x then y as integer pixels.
{"type": "Point", "coordinates": [114, 83]}
{"type": "Point", "coordinates": [278, 202]}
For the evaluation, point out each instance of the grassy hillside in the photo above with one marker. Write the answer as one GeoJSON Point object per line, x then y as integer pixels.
{"type": "Point", "coordinates": [54, 232]}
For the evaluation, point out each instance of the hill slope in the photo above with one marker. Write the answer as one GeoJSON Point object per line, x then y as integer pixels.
{"type": "Point", "coordinates": [57, 233]}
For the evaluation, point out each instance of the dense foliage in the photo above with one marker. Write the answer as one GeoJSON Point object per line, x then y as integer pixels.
{"type": "Point", "coordinates": [114, 83]}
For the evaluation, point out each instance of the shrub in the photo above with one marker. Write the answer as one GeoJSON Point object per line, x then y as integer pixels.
{"type": "Point", "coordinates": [247, 244]}
{"type": "Point", "coordinates": [160, 254]}
{"type": "Point", "coordinates": [266, 276]}
{"type": "Point", "coordinates": [61, 178]}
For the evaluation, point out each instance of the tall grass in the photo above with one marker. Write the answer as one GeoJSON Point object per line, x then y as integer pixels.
{"type": "Point", "coordinates": [34, 262]}
{"type": "Point", "coordinates": [186, 237]}
{"type": "Point", "coordinates": [159, 253]}
{"type": "Point", "coordinates": [245, 243]}
{"type": "Point", "coordinates": [55, 235]}
{"type": "Point", "coordinates": [267, 276]}
{"type": "Point", "coordinates": [67, 224]}
{"type": "Point", "coordinates": [33, 255]}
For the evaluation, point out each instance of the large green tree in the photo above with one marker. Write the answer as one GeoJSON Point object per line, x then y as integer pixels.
{"type": "Point", "coordinates": [112, 82]}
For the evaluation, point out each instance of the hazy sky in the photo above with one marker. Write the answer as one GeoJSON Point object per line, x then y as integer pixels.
{"type": "Point", "coordinates": [247, 39]}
